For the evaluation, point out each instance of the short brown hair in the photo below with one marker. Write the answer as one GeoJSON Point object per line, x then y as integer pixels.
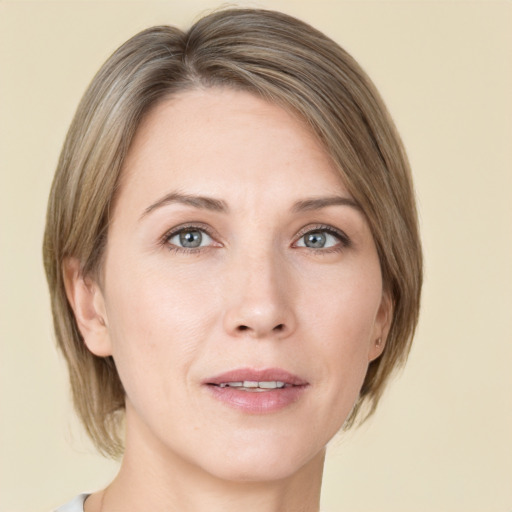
{"type": "Point", "coordinates": [284, 61]}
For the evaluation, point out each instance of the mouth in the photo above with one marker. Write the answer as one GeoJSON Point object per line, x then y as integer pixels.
{"type": "Point", "coordinates": [257, 391]}
{"type": "Point", "coordinates": [253, 386]}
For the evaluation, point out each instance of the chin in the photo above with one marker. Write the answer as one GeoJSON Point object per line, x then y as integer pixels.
{"type": "Point", "coordinates": [262, 461]}
{"type": "Point", "coordinates": [244, 472]}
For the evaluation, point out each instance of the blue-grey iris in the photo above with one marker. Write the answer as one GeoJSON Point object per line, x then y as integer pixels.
{"type": "Point", "coordinates": [191, 239]}
{"type": "Point", "coordinates": [315, 240]}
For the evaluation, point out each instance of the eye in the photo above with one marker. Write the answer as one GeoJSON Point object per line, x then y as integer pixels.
{"type": "Point", "coordinates": [189, 238]}
{"type": "Point", "coordinates": [322, 238]}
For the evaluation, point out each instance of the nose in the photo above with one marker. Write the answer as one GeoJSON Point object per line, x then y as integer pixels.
{"type": "Point", "coordinates": [259, 299]}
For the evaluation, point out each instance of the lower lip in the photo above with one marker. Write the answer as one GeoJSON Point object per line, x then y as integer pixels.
{"type": "Point", "coordinates": [257, 402]}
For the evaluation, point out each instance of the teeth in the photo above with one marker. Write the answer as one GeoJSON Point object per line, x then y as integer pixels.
{"type": "Point", "coordinates": [253, 385]}
{"type": "Point", "coordinates": [271, 385]}
{"type": "Point", "coordinates": [231, 384]}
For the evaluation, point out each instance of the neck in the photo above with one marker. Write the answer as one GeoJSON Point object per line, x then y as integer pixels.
{"type": "Point", "coordinates": [152, 478]}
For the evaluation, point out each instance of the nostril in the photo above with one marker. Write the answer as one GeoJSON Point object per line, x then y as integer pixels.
{"type": "Point", "coordinates": [277, 328]}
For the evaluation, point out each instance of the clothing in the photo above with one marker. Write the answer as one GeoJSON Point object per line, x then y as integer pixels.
{"type": "Point", "coordinates": [75, 505]}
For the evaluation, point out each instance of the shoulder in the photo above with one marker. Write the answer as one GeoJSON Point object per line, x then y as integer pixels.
{"type": "Point", "coordinates": [75, 505]}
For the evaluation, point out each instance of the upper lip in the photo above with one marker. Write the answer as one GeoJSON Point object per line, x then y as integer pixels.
{"type": "Point", "coordinates": [255, 375]}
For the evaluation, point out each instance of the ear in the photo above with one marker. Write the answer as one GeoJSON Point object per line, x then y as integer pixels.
{"type": "Point", "coordinates": [87, 302]}
{"type": "Point", "coordinates": [381, 327]}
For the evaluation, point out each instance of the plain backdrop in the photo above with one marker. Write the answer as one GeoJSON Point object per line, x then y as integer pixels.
{"type": "Point", "coordinates": [441, 439]}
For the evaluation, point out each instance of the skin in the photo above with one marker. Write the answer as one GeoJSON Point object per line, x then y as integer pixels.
{"type": "Point", "coordinates": [252, 295]}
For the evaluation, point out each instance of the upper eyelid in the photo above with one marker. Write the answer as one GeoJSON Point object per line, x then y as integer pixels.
{"type": "Point", "coordinates": [198, 226]}
{"type": "Point", "coordinates": [323, 227]}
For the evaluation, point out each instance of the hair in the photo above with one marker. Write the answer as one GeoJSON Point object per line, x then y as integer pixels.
{"type": "Point", "coordinates": [286, 62]}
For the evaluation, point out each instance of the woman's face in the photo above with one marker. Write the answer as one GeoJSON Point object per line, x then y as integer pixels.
{"type": "Point", "coordinates": [236, 258]}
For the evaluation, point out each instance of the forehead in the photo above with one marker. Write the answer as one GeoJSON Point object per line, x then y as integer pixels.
{"type": "Point", "coordinates": [213, 141]}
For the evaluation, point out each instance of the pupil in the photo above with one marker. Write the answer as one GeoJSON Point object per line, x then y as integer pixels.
{"type": "Point", "coordinates": [191, 238]}
{"type": "Point", "coordinates": [315, 240]}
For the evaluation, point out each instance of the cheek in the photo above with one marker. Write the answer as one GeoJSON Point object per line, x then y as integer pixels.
{"type": "Point", "coordinates": [342, 318]}
{"type": "Point", "coordinates": [344, 305]}
{"type": "Point", "coordinates": [157, 322]}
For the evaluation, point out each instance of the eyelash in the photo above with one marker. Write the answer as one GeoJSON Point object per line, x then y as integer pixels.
{"type": "Point", "coordinates": [344, 240]}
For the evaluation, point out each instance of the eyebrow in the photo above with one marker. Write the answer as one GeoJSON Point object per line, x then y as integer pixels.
{"type": "Point", "coordinates": [205, 203]}
{"type": "Point", "coordinates": [218, 205]}
{"type": "Point", "coordinates": [318, 203]}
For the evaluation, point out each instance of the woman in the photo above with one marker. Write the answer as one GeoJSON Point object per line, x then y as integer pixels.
{"type": "Point", "coordinates": [234, 262]}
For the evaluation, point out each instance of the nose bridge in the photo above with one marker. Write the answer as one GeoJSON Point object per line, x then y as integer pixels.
{"type": "Point", "coordinates": [262, 271]}
{"type": "Point", "coordinates": [259, 299]}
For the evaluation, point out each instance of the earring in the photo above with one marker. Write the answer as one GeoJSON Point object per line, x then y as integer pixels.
{"type": "Point", "coordinates": [378, 342]}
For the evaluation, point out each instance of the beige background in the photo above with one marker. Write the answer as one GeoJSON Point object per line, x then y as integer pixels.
{"type": "Point", "coordinates": [441, 440]}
